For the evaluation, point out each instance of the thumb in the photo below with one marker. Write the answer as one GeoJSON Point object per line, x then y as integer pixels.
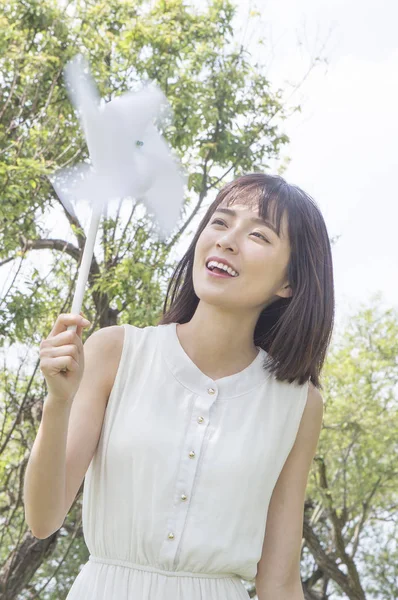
{"type": "Point", "coordinates": [79, 328]}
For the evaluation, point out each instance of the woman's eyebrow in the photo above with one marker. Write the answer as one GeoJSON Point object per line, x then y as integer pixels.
{"type": "Point", "coordinates": [259, 220]}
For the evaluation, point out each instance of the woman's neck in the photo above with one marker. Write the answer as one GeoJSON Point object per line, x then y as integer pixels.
{"type": "Point", "coordinates": [219, 346]}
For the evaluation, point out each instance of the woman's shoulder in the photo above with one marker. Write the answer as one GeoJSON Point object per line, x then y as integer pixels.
{"type": "Point", "coordinates": [110, 340]}
{"type": "Point", "coordinates": [112, 336]}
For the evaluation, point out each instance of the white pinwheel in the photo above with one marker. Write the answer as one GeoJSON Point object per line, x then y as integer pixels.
{"type": "Point", "coordinates": [128, 158]}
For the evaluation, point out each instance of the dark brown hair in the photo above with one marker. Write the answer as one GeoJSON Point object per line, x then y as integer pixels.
{"type": "Point", "coordinates": [295, 331]}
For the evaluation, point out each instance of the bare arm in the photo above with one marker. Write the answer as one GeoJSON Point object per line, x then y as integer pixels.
{"type": "Point", "coordinates": [44, 485]}
{"type": "Point", "coordinates": [68, 436]}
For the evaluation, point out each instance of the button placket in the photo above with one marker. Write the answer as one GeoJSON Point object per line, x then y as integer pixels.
{"type": "Point", "coordinates": [191, 454]}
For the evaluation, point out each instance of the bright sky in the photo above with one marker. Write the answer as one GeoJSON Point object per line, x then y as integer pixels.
{"type": "Point", "coordinates": [343, 148]}
{"type": "Point", "coordinates": [343, 145]}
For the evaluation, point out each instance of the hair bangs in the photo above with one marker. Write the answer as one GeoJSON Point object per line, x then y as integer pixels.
{"type": "Point", "coordinates": [270, 201]}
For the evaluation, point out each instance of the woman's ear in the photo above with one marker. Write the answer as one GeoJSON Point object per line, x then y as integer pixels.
{"type": "Point", "coordinates": [285, 291]}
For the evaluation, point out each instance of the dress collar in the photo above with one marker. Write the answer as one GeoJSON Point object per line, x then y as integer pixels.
{"type": "Point", "coordinates": [190, 376]}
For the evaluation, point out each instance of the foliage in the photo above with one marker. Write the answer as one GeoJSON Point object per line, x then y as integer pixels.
{"type": "Point", "coordinates": [353, 485]}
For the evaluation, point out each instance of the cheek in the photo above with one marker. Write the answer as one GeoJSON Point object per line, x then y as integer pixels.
{"type": "Point", "coordinates": [198, 251]}
{"type": "Point", "coordinates": [202, 246]}
{"type": "Point", "coordinates": [259, 259]}
{"type": "Point", "coordinates": [199, 255]}
{"type": "Point", "coordinates": [262, 270]}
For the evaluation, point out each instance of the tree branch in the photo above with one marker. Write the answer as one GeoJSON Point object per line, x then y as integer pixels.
{"type": "Point", "coordinates": [350, 584]}
{"type": "Point", "coordinates": [50, 244]}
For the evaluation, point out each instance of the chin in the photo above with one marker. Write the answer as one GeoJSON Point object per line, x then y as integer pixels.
{"type": "Point", "coordinates": [215, 297]}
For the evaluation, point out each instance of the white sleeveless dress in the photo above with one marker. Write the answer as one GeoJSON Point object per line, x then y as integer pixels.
{"type": "Point", "coordinates": [175, 499]}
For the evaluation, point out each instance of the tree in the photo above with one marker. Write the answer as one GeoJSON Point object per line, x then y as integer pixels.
{"type": "Point", "coordinates": [226, 122]}
{"type": "Point", "coordinates": [223, 112]}
{"type": "Point", "coordinates": [350, 525]}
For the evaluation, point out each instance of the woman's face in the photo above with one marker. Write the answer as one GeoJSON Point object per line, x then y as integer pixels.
{"type": "Point", "coordinates": [255, 252]}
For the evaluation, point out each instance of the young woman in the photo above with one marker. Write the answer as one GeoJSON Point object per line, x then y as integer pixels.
{"type": "Point", "coordinates": [196, 436]}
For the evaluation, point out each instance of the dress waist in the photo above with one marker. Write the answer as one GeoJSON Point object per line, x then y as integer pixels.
{"type": "Point", "coordinates": [152, 569]}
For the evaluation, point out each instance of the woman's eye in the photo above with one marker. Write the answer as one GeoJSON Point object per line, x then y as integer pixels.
{"type": "Point", "coordinates": [260, 234]}
{"type": "Point", "coordinates": [254, 233]}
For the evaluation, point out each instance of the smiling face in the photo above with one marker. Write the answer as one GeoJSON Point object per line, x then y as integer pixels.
{"type": "Point", "coordinates": [252, 247]}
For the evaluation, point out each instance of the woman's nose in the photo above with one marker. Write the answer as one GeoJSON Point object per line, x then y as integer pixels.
{"type": "Point", "coordinates": [227, 241]}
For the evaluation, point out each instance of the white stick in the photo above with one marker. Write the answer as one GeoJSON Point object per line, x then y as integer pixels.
{"type": "Point", "coordinates": [85, 265]}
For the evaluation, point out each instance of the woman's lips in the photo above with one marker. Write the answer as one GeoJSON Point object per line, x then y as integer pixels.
{"type": "Point", "coordinates": [219, 274]}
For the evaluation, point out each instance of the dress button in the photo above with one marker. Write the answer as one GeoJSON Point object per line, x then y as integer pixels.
{"type": "Point", "coordinates": [211, 391]}
{"type": "Point", "coordinates": [171, 536]}
{"type": "Point", "coordinates": [191, 454]}
{"type": "Point", "coordinates": [183, 497]}
{"type": "Point", "coordinates": [200, 419]}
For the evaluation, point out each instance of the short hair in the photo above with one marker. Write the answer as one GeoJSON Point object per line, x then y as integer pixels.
{"type": "Point", "coordinates": [295, 331]}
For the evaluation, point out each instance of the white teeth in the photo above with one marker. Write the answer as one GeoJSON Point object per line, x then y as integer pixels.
{"type": "Point", "coordinates": [231, 271]}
